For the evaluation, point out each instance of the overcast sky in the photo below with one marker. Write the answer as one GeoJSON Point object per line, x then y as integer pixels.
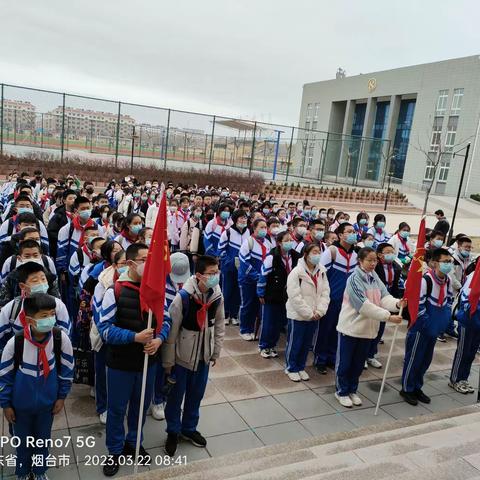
{"type": "Point", "coordinates": [244, 58]}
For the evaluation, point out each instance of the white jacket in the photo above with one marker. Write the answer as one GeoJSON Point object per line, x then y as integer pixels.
{"type": "Point", "coordinates": [304, 300]}
{"type": "Point", "coordinates": [151, 216]}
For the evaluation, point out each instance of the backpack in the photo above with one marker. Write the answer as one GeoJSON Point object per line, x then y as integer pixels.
{"type": "Point", "coordinates": [57, 348]}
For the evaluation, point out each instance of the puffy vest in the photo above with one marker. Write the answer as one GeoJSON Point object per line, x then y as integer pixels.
{"type": "Point", "coordinates": [276, 288]}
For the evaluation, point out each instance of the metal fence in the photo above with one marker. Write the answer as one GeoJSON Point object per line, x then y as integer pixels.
{"type": "Point", "coordinates": [73, 125]}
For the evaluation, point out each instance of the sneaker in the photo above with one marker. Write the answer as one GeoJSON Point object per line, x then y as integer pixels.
{"type": "Point", "coordinates": [373, 362]}
{"type": "Point", "coordinates": [459, 387]}
{"type": "Point", "coordinates": [381, 342]}
{"type": "Point", "coordinates": [421, 397]}
{"type": "Point", "coordinates": [293, 376]}
{"type": "Point", "coordinates": [273, 353]}
{"type": "Point", "coordinates": [304, 375]}
{"type": "Point", "coordinates": [321, 369]}
{"type": "Point", "coordinates": [92, 392]}
{"type": "Point", "coordinates": [441, 338]}
{"type": "Point", "coordinates": [235, 321]}
{"type": "Point", "coordinates": [171, 444]}
{"type": "Point", "coordinates": [42, 476]}
{"type": "Point", "coordinates": [365, 366]}
{"type": "Point", "coordinates": [158, 411]}
{"type": "Point", "coordinates": [452, 334]}
{"type": "Point", "coordinates": [409, 397]}
{"type": "Point", "coordinates": [469, 387]}
{"type": "Point", "coordinates": [129, 451]}
{"type": "Point", "coordinates": [356, 400]}
{"type": "Point", "coordinates": [195, 438]}
{"type": "Point", "coordinates": [227, 321]}
{"type": "Point", "coordinates": [248, 337]}
{"type": "Point", "coordinates": [344, 400]}
{"type": "Point", "coordinates": [265, 353]}
{"type": "Point", "coordinates": [103, 418]}
{"type": "Point", "coordinates": [30, 476]}
{"type": "Point", "coordinates": [112, 466]}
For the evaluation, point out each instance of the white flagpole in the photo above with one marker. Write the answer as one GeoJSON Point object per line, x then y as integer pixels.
{"type": "Point", "coordinates": [387, 364]}
{"type": "Point", "coordinates": [142, 400]}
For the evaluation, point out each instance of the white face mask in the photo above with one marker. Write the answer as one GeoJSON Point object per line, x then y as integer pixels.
{"type": "Point", "coordinates": [21, 261]}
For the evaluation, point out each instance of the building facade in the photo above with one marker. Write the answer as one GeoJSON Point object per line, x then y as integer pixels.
{"type": "Point", "coordinates": [396, 122]}
{"type": "Point", "coordinates": [18, 115]}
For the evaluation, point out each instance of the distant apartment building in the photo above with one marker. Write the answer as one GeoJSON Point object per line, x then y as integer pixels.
{"type": "Point", "coordinates": [18, 115]}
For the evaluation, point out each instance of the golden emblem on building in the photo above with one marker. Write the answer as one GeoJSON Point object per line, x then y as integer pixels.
{"type": "Point", "coordinates": [372, 84]}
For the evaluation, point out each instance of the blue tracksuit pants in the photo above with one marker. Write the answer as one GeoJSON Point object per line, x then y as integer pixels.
{"type": "Point", "coordinates": [299, 340]}
{"type": "Point", "coordinates": [124, 390]}
{"type": "Point", "coordinates": [39, 426]}
{"type": "Point", "coordinates": [373, 350]}
{"type": "Point", "coordinates": [100, 380]}
{"type": "Point", "coordinates": [250, 307]}
{"type": "Point", "coordinates": [467, 346]}
{"type": "Point", "coordinates": [158, 396]}
{"type": "Point", "coordinates": [231, 293]}
{"type": "Point", "coordinates": [418, 357]}
{"type": "Point", "coordinates": [189, 389]}
{"type": "Point", "coordinates": [274, 317]}
{"type": "Point", "coordinates": [325, 342]}
{"type": "Point", "coordinates": [351, 355]}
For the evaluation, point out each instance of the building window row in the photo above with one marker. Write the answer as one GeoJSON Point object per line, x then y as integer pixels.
{"type": "Point", "coordinates": [442, 102]}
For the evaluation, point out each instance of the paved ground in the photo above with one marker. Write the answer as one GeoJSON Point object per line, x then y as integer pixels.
{"type": "Point", "coordinates": [250, 402]}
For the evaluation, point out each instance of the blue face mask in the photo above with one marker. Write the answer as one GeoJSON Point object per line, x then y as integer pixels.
{"type": "Point", "coordinates": [380, 224]}
{"type": "Point", "coordinates": [314, 258]}
{"type": "Point", "coordinates": [39, 288]}
{"type": "Point", "coordinates": [438, 243]}
{"type": "Point", "coordinates": [85, 214]}
{"type": "Point", "coordinates": [121, 270]}
{"type": "Point", "coordinates": [262, 234]}
{"type": "Point", "coordinates": [351, 238]}
{"type": "Point", "coordinates": [368, 243]}
{"type": "Point", "coordinates": [224, 215]}
{"type": "Point", "coordinates": [25, 210]}
{"type": "Point", "coordinates": [46, 324]}
{"type": "Point", "coordinates": [319, 235]}
{"type": "Point", "coordinates": [389, 257]}
{"type": "Point", "coordinates": [404, 234]}
{"type": "Point", "coordinates": [266, 211]}
{"type": "Point", "coordinates": [287, 246]}
{"type": "Point", "coordinates": [465, 253]}
{"type": "Point", "coordinates": [362, 221]}
{"type": "Point", "coordinates": [135, 229]}
{"type": "Point", "coordinates": [446, 268]}
{"type": "Point", "coordinates": [212, 281]}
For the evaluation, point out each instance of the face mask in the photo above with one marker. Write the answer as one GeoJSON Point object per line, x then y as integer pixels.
{"type": "Point", "coordinates": [319, 235]}
{"type": "Point", "coordinates": [438, 243]}
{"type": "Point", "coordinates": [380, 224]}
{"type": "Point", "coordinates": [446, 268]}
{"type": "Point", "coordinates": [198, 215]}
{"type": "Point", "coordinates": [330, 215]}
{"type": "Point", "coordinates": [172, 209]}
{"type": "Point", "coordinates": [139, 269]}
{"type": "Point", "coordinates": [209, 216]}
{"type": "Point", "coordinates": [404, 234]}
{"type": "Point", "coordinates": [152, 197]}
{"type": "Point", "coordinates": [85, 214]}
{"type": "Point", "coordinates": [300, 209]}
{"type": "Point", "coordinates": [104, 216]}
{"type": "Point", "coordinates": [135, 229]}
{"type": "Point", "coordinates": [262, 234]}
{"type": "Point", "coordinates": [314, 213]}
{"type": "Point", "coordinates": [465, 253]}
{"type": "Point", "coordinates": [307, 213]}
{"type": "Point", "coordinates": [34, 260]}
{"type": "Point", "coordinates": [351, 238]}
{"type": "Point", "coordinates": [266, 211]}
{"type": "Point", "coordinates": [136, 195]}
{"type": "Point", "coordinates": [25, 210]}
{"type": "Point", "coordinates": [301, 231]}
{"type": "Point", "coordinates": [241, 226]}
{"type": "Point", "coordinates": [275, 230]}
{"type": "Point", "coordinates": [148, 242]}
{"type": "Point", "coordinates": [122, 269]}
{"type": "Point", "coordinates": [389, 257]}
{"type": "Point", "coordinates": [363, 221]}
{"type": "Point", "coordinates": [144, 199]}
{"type": "Point", "coordinates": [46, 324]}
{"type": "Point", "coordinates": [323, 216]}
{"type": "Point", "coordinates": [368, 243]}
{"type": "Point", "coordinates": [314, 259]}
{"type": "Point", "coordinates": [224, 215]}
{"type": "Point", "coordinates": [39, 288]}
{"type": "Point", "coordinates": [212, 281]}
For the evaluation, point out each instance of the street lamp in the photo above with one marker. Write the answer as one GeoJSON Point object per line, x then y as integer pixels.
{"type": "Point", "coordinates": [390, 174]}
{"type": "Point", "coordinates": [134, 137]}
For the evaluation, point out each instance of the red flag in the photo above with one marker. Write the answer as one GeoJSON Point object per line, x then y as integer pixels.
{"type": "Point", "coordinates": [157, 266]}
{"type": "Point", "coordinates": [474, 296]}
{"type": "Point", "coordinates": [415, 274]}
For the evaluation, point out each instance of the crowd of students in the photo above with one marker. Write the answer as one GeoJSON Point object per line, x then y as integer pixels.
{"type": "Point", "coordinates": [72, 263]}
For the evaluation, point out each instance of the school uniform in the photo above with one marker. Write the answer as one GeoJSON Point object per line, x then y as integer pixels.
{"type": "Point", "coordinates": [404, 248]}
{"type": "Point", "coordinates": [468, 341]}
{"type": "Point", "coordinates": [298, 242]}
{"type": "Point", "coordinates": [11, 263]}
{"type": "Point", "coordinates": [212, 234]}
{"type": "Point", "coordinates": [360, 230]}
{"type": "Point", "coordinates": [272, 287]}
{"type": "Point", "coordinates": [380, 235]}
{"type": "Point", "coordinates": [366, 304]}
{"type": "Point", "coordinates": [175, 222]}
{"type": "Point", "coordinates": [195, 339]}
{"type": "Point", "coordinates": [252, 254]}
{"type": "Point", "coordinates": [339, 267]}
{"type": "Point", "coordinates": [10, 227]}
{"type": "Point", "coordinates": [124, 239]}
{"type": "Point", "coordinates": [32, 391]}
{"type": "Point", "coordinates": [228, 248]}
{"type": "Point", "coordinates": [436, 297]}
{"type": "Point", "coordinates": [308, 293]}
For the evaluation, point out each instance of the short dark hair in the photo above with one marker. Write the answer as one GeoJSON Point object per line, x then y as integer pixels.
{"type": "Point", "coordinates": [91, 228]}
{"type": "Point", "coordinates": [439, 212]}
{"type": "Point", "coordinates": [79, 200]}
{"type": "Point", "coordinates": [438, 253]}
{"type": "Point", "coordinates": [28, 244]}
{"type": "Point", "coordinates": [27, 269]}
{"type": "Point", "coordinates": [436, 233]}
{"type": "Point", "coordinates": [68, 192]}
{"type": "Point", "coordinates": [38, 302]}
{"type": "Point", "coordinates": [309, 248]}
{"type": "Point", "coordinates": [383, 246]}
{"type": "Point", "coordinates": [23, 233]}
{"type": "Point", "coordinates": [364, 252]}
{"type": "Point", "coordinates": [118, 256]}
{"type": "Point", "coordinates": [203, 262]}
{"type": "Point", "coordinates": [23, 198]}
{"type": "Point", "coordinates": [463, 240]}
{"type": "Point", "coordinates": [316, 221]}
{"type": "Point", "coordinates": [297, 220]}
{"type": "Point", "coordinates": [27, 217]}
{"type": "Point", "coordinates": [272, 220]}
{"type": "Point", "coordinates": [133, 249]}
{"type": "Point", "coordinates": [341, 228]}
{"type": "Point", "coordinates": [379, 217]}
{"type": "Point", "coordinates": [257, 222]}
{"type": "Point", "coordinates": [106, 250]}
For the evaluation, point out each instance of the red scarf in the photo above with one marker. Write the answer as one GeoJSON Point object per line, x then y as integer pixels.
{"type": "Point", "coordinates": [69, 214]}
{"type": "Point", "coordinates": [263, 247]}
{"type": "Point", "coordinates": [390, 273]}
{"type": "Point", "coordinates": [442, 287]}
{"type": "Point", "coordinates": [404, 243]}
{"type": "Point", "coordinates": [314, 279]}
{"type": "Point", "coordinates": [78, 226]}
{"type": "Point", "coordinates": [184, 215]}
{"type": "Point", "coordinates": [125, 233]}
{"type": "Point", "coordinates": [87, 251]}
{"type": "Point", "coordinates": [201, 312]}
{"type": "Point", "coordinates": [287, 261]}
{"type": "Point", "coordinates": [220, 224]}
{"type": "Point", "coordinates": [346, 256]}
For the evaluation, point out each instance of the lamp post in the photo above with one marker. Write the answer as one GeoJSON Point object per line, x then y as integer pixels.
{"type": "Point", "coordinates": [390, 173]}
{"type": "Point", "coordinates": [134, 137]}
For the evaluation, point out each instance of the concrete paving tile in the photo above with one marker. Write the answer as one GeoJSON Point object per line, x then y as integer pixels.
{"type": "Point", "coordinates": [304, 404]}
{"type": "Point", "coordinates": [317, 380]}
{"type": "Point", "coordinates": [441, 403]}
{"type": "Point", "coordinates": [239, 388]}
{"type": "Point", "coordinates": [212, 395]}
{"type": "Point", "coordinates": [220, 419]}
{"type": "Point", "coordinates": [60, 420]}
{"type": "Point", "coordinates": [278, 382]}
{"type": "Point", "coordinates": [327, 424]}
{"type": "Point", "coordinates": [263, 411]}
{"type": "Point", "coordinates": [238, 346]}
{"type": "Point", "coordinates": [226, 367]}
{"type": "Point", "coordinates": [404, 410]}
{"type": "Point", "coordinates": [282, 432]}
{"type": "Point", "coordinates": [370, 390]}
{"type": "Point", "coordinates": [154, 433]}
{"type": "Point", "coordinates": [64, 473]}
{"type": "Point", "coordinates": [95, 434]}
{"type": "Point", "coordinates": [233, 442]}
{"type": "Point", "coordinates": [81, 411]}
{"type": "Point", "coordinates": [473, 460]}
{"type": "Point", "coordinates": [330, 399]}
{"type": "Point", "coordinates": [254, 363]}
{"type": "Point", "coordinates": [186, 453]}
{"type": "Point", "coordinates": [365, 417]}
{"type": "Point", "coordinates": [469, 399]}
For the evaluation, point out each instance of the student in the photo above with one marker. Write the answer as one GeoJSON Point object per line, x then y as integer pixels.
{"type": "Point", "coordinates": [123, 328]}
{"type": "Point", "coordinates": [402, 246]}
{"type": "Point", "coordinates": [273, 228]}
{"type": "Point", "coordinates": [436, 297]}
{"type": "Point", "coordinates": [131, 227]}
{"type": "Point", "coordinates": [229, 248]}
{"type": "Point", "coordinates": [367, 240]}
{"type": "Point", "coordinates": [366, 304]}
{"type": "Point", "coordinates": [308, 298]}
{"type": "Point", "coordinates": [380, 235]}
{"type": "Point", "coordinates": [191, 235]}
{"type": "Point", "coordinates": [36, 374]}
{"type": "Point", "coordinates": [468, 341]}
{"type": "Point", "coordinates": [272, 292]}
{"type": "Point", "coordinates": [316, 235]}
{"type": "Point", "coordinates": [330, 238]}
{"type": "Point", "coordinates": [197, 317]}
{"type": "Point", "coordinates": [340, 259]}
{"type": "Point", "coordinates": [252, 254]}
{"type": "Point", "coordinates": [215, 229]}
{"type": "Point", "coordinates": [462, 259]}
{"type": "Point", "coordinates": [436, 240]}
{"type": "Point", "coordinates": [361, 226]}
{"type": "Point", "coordinates": [339, 219]}
{"type": "Point", "coordinates": [299, 231]}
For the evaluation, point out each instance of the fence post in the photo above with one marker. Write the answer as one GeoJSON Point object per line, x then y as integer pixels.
{"type": "Point", "coordinates": [41, 133]}
{"type": "Point", "coordinates": [289, 155]}
{"type": "Point", "coordinates": [320, 163]}
{"type": "Point", "coordinates": [166, 141]}
{"type": "Point", "coordinates": [252, 158]}
{"type": "Point", "coordinates": [1, 123]}
{"type": "Point", "coordinates": [15, 127]}
{"type": "Point", "coordinates": [277, 146]}
{"type": "Point", "coordinates": [211, 144]}
{"type": "Point", "coordinates": [62, 139]}
{"type": "Point", "coordinates": [117, 139]}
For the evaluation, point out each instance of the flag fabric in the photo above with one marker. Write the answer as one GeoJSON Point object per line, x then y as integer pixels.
{"type": "Point", "coordinates": [415, 274]}
{"type": "Point", "coordinates": [474, 296]}
{"type": "Point", "coordinates": [157, 266]}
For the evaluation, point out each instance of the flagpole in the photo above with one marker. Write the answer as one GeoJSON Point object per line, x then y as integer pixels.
{"type": "Point", "coordinates": [142, 399]}
{"type": "Point", "coordinates": [387, 364]}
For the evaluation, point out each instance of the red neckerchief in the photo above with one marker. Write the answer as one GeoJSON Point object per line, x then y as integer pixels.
{"type": "Point", "coordinates": [379, 230]}
{"type": "Point", "coordinates": [262, 246]}
{"type": "Point", "coordinates": [201, 312]}
{"type": "Point", "coordinates": [403, 242]}
{"type": "Point", "coordinates": [42, 354]}
{"type": "Point", "coordinates": [126, 234]}
{"type": "Point", "coordinates": [69, 214]}
{"type": "Point", "coordinates": [287, 262]}
{"type": "Point", "coordinates": [346, 256]}
{"type": "Point", "coordinates": [314, 279]}
{"type": "Point", "coordinates": [184, 215]}
{"type": "Point", "coordinates": [220, 224]}
{"type": "Point", "coordinates": [78, 226]}
{"type": "Point", "coordinates": [150, 202]}
{"type": "Point", "coordinates": [390, 273]}
{"type": "Point", "coordinates": [442, 285]}
{"type": "Point", "coordinates": [87, 251]}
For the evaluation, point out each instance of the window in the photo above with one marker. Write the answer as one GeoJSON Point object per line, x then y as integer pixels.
{"type": "Point", "coordinates": [314, 125]}
{"type": "Point", "coordinates": [307, 125]}
{"type": "Point", "coordinates": [309, 112]}
{"type": "Point", "coordinates": [442, 102]}
{"type": "Point", "coordinates": [315, 113]}
{"type": "Point", "coordinates": [457, 100]}
{"type": "Point", "coordinates": [436, 133]}
{"type": "Point", "coordinates": [451, 133]}
{"type": "Point", "coordinates": [429, 171]}
{"type": "Point", "coordinates": [443, 172]}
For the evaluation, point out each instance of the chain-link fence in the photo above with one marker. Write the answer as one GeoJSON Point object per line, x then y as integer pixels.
{"type": "Point", "coordinates": [72, 125]}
